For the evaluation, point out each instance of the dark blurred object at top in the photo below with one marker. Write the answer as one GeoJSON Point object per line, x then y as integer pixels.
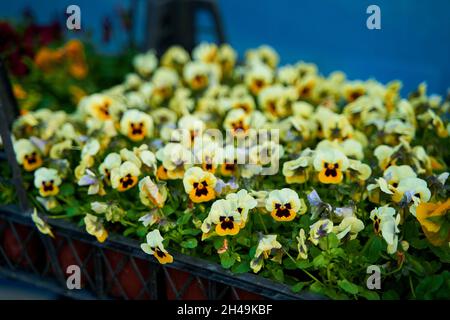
{"type": "Point", "coordinates": [174, 22]}
{"type": "Point", "coordinates": [21, 43]}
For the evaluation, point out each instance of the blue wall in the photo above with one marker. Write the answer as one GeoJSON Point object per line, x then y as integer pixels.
{"type": "Point", "coordinates": [413, 44]}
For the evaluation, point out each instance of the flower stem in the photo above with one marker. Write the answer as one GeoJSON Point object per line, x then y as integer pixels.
{"type": "Point", "coordinates": [262, 222]}
{"type": "Point", "coordinates": [305, 271]}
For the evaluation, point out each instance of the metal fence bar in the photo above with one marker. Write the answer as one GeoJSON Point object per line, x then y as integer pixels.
{"type": "Point", "coordinates": [8, 110]}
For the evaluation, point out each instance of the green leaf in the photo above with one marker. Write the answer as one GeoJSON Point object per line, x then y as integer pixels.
{"type": "Point", "coordinates": [185, 218]}
{"type": "Point", "coordinates": [218, 243]}
{"type": "Point", "coordinates": [390, 295]}
{"type": "Point", "coordinates": [241, 267]}
{"type": "Point", "coordinates": [298, 287]}
{"type": "Point", "coordinates": [428, 286]}
{"type": "Point", "coordinates": [416, 264]}
{"type": "Point", "coordinates": [289, 264]}
{"type": "Point", "coordinates": [227, 260]}
{"type": "Point", "coordinates": [141, 231]}
{"type": "Point", "coordinates": [321, 261]}
{"type": "Point", "coordinates": [66, 190]}
{"type": "Point", "coordinates": [368, 294]}
{"type": "Point", "coordinates": [244, 241]}
{"type": "Point", "coordinates": [329, 242]}
{"type": "Point", "coordinates": [303, 264]}
{"type": "Point", "coordinates": [278, 274]}
{"type": "Point", "coordinates": [168, 209]}
{"type": "Point", "coordinates": [347, 286]}
{"type": "Point", "coordinates": [189, 243]}
{"type": "Point", "coordinates": [71, 211]}
{"type": "Point", "coordinates": [190, 232]}
{"type": "Point", "coordinates": [376, 246]}
{"type": "Point", "coordinates": [129, 231]}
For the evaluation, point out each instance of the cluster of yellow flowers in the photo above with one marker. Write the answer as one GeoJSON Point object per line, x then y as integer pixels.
{"type": "Point", "coordinates": [349, 141]}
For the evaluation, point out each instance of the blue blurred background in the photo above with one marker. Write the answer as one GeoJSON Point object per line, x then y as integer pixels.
{"type": "Point", "coordinates": [413, 44]}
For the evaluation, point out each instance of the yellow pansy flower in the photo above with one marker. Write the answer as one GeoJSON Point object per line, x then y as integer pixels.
{"type": "Point", "coordinates": [27, 154]}
{"type": "Point", "coordinates": [111, 161]}
{"type": "Point", "coordinates": [330, 165]}
{"type": "Point", "coordinates": [431, 228]}
{"type": "Point", "coordinates": [145, 63]}
{"type": "Point", "coordinates": [175, 57]}
{"type": "Point", "coordinates": [258, 77]}
{"type": "Point", "coordinates": [175, 159]}
{"type": "Point", "coordinates": [155, 247]}
{"type": "Point", "coordinates": [47, 181]}
{"type": "Point", "coordinates": [199, 185]}
{"type": "Point", "coordinates": [244, 202]}
{"type": "Point", "coordinates": [136, 125]}
{"type": "Point", "coordinates": [284, 204]}
{"type": "Point", "coordinates": [125, 176]}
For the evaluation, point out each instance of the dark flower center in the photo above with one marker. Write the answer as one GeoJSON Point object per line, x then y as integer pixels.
{"type": "Point", "coordinates": [47, 186]}
{"type": "Point", "coordinates": [127, 181]}
{"type": "Point", "coordinates": [226, 223]}
{"type": "Point", "coordinates": [32, 158]}
{"type": "Point", "coordinates": [331, 169]}
{"type": "Point", "coordinates": [137, 128]}
{"type": "Point", "coordinates": [283, 210]}
{"type": "Point", "coordinates": [201, 188]}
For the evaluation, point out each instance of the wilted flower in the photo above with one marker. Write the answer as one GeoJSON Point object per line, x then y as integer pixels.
{"type": "Point", "coordinates": [95, 184]}
{"type": "Point", "coordinates": [297, 171]}
{"type": "Point", "coordinates": [267, 246]}
{"type": "Point", "coordinates": [301, 245]}
{"type": "Point", "coordinates": [94, 227]}
{"type": "Point", "coordinates": [152, 194]}
{"type": "Point", "coordinates": [42, 226]}
{"type": "Point", "coordinates": [111, 210]}
{"type": "Point", "coordinates": [349, 226]}
{"type": "Point", "coordinates": [386, 221]}
{"type": "Point", "coordinates": [320, 229]}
